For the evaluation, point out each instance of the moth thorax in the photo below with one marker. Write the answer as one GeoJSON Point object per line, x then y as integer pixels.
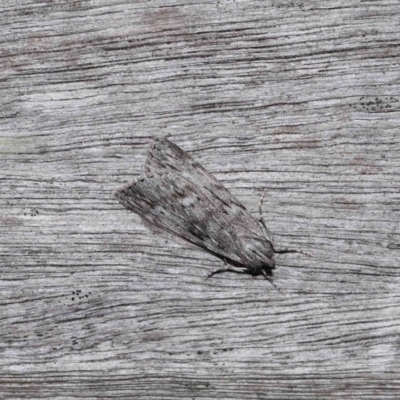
{"type": "Point", "coordinates": [258, 251]}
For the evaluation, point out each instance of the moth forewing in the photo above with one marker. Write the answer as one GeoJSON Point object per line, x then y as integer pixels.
{"type": "Point", "coordinates": [179, 196]}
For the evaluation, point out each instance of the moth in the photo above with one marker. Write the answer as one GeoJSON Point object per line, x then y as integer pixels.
{"type": "Point", "coordinates": [177, 195]}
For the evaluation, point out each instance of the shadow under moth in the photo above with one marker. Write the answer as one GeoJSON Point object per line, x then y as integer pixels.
{"type": "Point", "coordinates": [177, 195]}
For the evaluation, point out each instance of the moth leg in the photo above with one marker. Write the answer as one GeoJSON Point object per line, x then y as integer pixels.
{"type": "Point", "coordinates": [261, 218]}
{"type": "Point", "coordinates": [228, 268]}
{"type": "Point", "coordinates": [283, 251]}
{"type": "Point", "coordinates": [269, 236]}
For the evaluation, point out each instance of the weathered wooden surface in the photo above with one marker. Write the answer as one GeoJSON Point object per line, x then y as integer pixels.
{"type": "Point", "coordinates": [301, 98]}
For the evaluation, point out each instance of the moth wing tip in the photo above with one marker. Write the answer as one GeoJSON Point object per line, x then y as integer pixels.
{"type": "Point", "coordinates": [117, 192]}
{"type": "Point", "coordinates": [163, 140]}
{"type": "Point", "coordinates": [121, 192]}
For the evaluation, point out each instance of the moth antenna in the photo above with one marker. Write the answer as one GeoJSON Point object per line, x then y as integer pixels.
{"type": "Point", "coordinates": [261, 218]}
{"type": "Point", "coordinates": [269, 279]}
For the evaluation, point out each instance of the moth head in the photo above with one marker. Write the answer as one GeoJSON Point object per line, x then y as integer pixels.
{"type": "Point", "coordinates": [259, 254]}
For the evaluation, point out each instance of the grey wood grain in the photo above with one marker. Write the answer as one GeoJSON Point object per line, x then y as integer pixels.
{"type": "Point", "coordinates": [299, 98]}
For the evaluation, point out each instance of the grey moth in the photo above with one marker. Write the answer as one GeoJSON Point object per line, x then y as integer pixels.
{"type": "Point", "coordinates": [177, 195]}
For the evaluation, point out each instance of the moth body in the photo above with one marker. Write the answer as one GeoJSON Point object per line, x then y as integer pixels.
{"type": "Point", "coordinates": [179, 196]}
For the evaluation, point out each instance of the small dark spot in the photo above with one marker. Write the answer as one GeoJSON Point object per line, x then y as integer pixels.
{"type": "Point", "coordinates": [72, 298]}
{"type": "Point", "coordinates": [224, 349]}
{"type": "Point", "coordinates": [73, 292]}
{"type": "Point", "coordinates": [199, 352]}
{"type": "Point", "coordinates": [86, 295]}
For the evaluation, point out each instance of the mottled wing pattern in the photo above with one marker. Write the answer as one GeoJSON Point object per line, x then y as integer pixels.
{"type": "Point", "coordinates": [167, 156]}
{"type": "Point", "coordinates": [178, 195]}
